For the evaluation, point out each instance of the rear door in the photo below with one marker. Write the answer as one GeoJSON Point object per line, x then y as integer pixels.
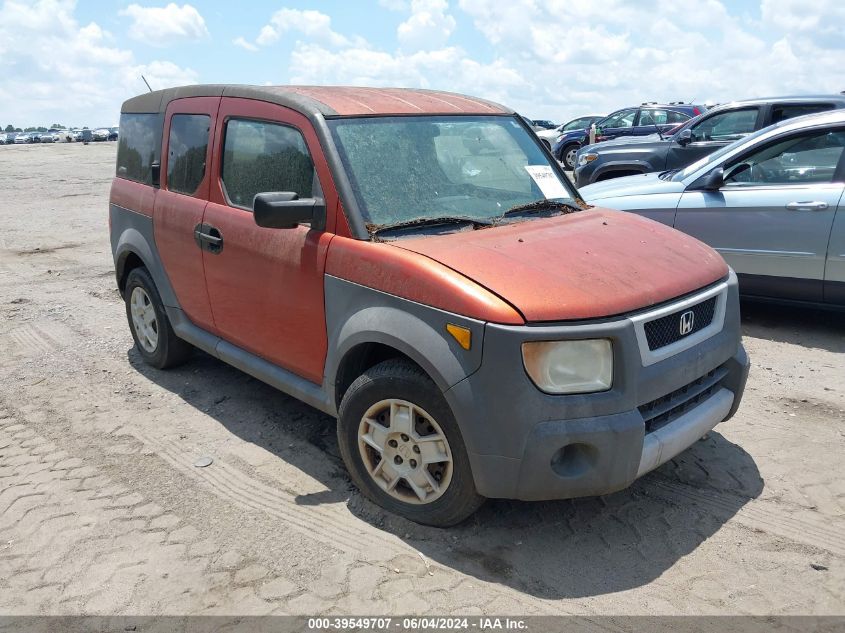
{"type": "Point", "coordinates": [712, 132]}
{"type": "Point", "coordinates": [772, 222]}
{"type": "Point", "coordinates": [180, 204]}
{"type": "Point", "coordinates": [266, 285]}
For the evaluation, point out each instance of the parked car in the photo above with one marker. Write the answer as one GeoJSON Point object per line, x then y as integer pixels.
{"type": "Point", "coordinates": [24, 137]}
{"type": "Point", "coordinates": [771, 204]}
{"type": "Point", "coordinates": [643, 120]}
{"type": "Point", "coordinates": [544, 124]}
{"type": "Point", "coordinates": [696, 138]}
{"type": "Point", "coordinates": [46, 137]}
{"type": "Point", "coordinates": [113, 134]}
{"type": "Point", "coordinates": [86, 136]}
{"type": "Point", "coordinates": [100, 134]}
{"type": "Point", "coordinates": [325, 242]}
{"type": "Point", "coordinates": [581, 123]}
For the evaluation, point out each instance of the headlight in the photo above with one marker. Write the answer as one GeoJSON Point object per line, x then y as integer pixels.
{"type": "Point", "coordinates": [589, 157]}
{"type": "Point", "coordinates": [570, 366]}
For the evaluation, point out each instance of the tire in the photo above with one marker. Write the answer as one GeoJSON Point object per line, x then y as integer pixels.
{"type": "Point", "coordinates": [154, 337]}
{"type": "Point", "coordinates": [568, 156]}
{"type": "Point", "coordinates": [367, 411]}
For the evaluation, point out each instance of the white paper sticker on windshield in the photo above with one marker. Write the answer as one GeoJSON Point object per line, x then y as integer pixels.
{"type": "Point", "coordinates": [547, 180]}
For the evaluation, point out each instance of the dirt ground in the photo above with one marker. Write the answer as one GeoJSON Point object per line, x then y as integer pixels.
{"type": "Point", "coordinates": [102, 510]}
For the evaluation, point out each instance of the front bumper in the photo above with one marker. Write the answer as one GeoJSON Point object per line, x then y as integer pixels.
{"type": "Point", "coordinates": [528, 445]}
{"type": "Point", "coordinates": [583, 174]}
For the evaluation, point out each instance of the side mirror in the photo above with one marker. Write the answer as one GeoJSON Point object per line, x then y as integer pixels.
{"type": "Point", "coordinates": [286, 210]}
{"type": "Point", "coordinates": [155, 173]}
{"type": "Point", "coordinates": [712, 181]}
{"type": "Point", "coordinates": [685, 137]}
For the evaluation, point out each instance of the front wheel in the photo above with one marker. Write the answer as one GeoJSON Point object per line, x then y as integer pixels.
{"type": "Point", "coordinates": [403, 448]}
{"type": "Point", "coordinates": [568, 154]}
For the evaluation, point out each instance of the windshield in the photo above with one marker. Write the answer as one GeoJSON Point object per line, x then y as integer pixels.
{"type": "Point", "coordinates": [715, 157]}
{"type": "Point", "coordinates": [415, 167]}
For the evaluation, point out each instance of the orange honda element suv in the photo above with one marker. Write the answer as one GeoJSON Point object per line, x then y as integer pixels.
{"type": "Point", "coordinates": [416, 264]}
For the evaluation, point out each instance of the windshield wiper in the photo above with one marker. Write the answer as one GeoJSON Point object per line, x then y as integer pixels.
{"type": "Point", "coordinates": [539, 206]}
{"type": "Point", "coordinates": [375, 229]}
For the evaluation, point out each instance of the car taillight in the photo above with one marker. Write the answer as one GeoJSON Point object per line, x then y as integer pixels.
{"type": "Point", "coordinates": [696, 111]}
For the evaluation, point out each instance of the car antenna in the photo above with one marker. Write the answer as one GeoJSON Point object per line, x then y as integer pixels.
{"type": "Point", "coordinates": [146, 82]}
{"type": "Point", "coordinates": [657, 127]}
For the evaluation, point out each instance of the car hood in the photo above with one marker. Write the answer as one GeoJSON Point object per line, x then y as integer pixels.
{"type": "Point", "coordinates": [651, 140]}
{"type": "Point", "coordinates": [591, 264]}
{"type": "Point", "coordinates": [638, 185]}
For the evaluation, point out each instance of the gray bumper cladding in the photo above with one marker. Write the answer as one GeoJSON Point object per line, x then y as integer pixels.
{"type": "Point", "coordinates": [530, 445]}
{"type": "Point", "coordinates": [663, 444]}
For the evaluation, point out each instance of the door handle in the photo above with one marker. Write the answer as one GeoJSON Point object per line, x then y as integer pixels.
{"type": "Point", "coordinates": [208, 237]}
{"type": "Point", "coordinates": [810, 205]}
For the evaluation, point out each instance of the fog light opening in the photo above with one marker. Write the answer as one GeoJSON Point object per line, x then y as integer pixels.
{"type": "Point", "coordinates": [574, 460]}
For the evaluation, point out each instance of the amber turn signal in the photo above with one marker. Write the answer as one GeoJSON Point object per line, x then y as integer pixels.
{"type": "Point", "coordinates": [461, 334]}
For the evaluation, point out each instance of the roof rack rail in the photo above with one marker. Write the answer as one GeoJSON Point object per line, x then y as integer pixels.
{"type": "Point", "coordinates": [649, 103]}
{"type": "Point", "coordinates": [676, 103]}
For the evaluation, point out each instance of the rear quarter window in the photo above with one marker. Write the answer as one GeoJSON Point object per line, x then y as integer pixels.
{"type": "Point", "coordinates": [186, 150]}
{"type": "Point", "coordinates": [783, 112]}
{"type": "Point", "coordinates": [140, 135]}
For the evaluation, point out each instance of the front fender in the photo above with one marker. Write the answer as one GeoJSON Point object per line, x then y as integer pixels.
{"type": "Point", "coordinates": [357, 315]}
{"type": "Point", "coordinates": [621, 165]}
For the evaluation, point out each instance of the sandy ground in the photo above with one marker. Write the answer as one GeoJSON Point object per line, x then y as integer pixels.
{"type": "Point", "coordinates": [102, 510]}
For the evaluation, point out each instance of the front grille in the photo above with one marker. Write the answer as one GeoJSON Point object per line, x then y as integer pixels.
{"type": "Point", "coordinates": [660, 412]}
{"type": "Point", "coordinates": [671, 328]}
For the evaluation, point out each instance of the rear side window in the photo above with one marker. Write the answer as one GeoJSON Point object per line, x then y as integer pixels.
{"type": "Point", "coordinates": [780, 113]}
{"type": "Point", "coordinates": [140, 135]}
{"type": "Point", "coordinates": [186, 151]}
{"type": "Point", "coordinates": [259, 157]}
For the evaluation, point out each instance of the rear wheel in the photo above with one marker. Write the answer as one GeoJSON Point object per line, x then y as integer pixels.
{"type": "Point", "coordinates": [154, 337]}
{"type": "Point", "coordinates": [403, 448]}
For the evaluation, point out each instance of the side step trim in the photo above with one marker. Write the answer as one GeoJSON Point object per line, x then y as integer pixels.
{"type": "Point", "coordinates": [247, 362]}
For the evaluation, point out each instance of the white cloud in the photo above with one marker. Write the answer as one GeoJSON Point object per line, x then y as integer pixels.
{"type": "Point", "coordinates": [313, 25]}
{"type": "Point", "coordinates": [161, 26]}
{"type": "Point", "coordinates": [74, 74]}
{"type": "Point", "coordinates": [394, 5]}
{"type": "Point", "coordinates": [249, 46]}
{"type": "Point", "coordinates": [563, 58]}
{"type": "Point", "coordinates": [429, 25]}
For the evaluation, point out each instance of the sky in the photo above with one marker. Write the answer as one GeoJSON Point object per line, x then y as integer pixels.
{"type": "Point", "coordinates": [69, 62]}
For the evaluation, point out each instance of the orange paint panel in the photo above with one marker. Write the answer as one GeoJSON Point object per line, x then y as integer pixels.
{"type": "Point", "coordinates": [175, 218]}
{"type": "Point", "coordinates": [133, 196]}
{"type": "Point", "coordinates": [587, 265]}
{"type": "Point", "coordinates": [267, 291]}
{"type": "Point", "coordinates": [393, 270]}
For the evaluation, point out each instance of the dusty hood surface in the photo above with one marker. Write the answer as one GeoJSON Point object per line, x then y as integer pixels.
{"type": "Point", "coordinates": [585, 265]}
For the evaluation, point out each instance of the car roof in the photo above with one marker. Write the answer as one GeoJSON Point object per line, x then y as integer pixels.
{"type": "Point", "coordinates": [788, 100]}
{"type": "Point", "coordinates": [328, 101]}
{"type": "Point", "coordinates": [828, 117]}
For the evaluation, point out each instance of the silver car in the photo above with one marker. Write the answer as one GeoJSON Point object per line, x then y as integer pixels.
{"type": "Point", "coordinates": [771, 203]}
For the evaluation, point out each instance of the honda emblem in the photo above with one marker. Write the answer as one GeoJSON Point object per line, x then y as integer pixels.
{"type": "Point", "coordinates": [687, 321]}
